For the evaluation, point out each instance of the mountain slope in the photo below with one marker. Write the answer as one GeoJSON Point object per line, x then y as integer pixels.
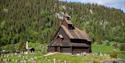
{"type": "Point", "coordinates": [35, 21]}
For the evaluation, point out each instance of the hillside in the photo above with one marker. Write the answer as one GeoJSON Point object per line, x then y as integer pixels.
{"type": "Point", "coordinates": [35, 21]}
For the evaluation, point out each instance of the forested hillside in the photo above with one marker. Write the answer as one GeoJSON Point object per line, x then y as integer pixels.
{"type": "Point", "coordinates": [35, 21]}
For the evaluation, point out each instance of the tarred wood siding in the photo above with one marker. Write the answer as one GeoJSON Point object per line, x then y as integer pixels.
{"type": "Point", "coordinates": [69, 49]}
{"type": "Point", "coordinates": [51, 49]}
{"type": "Point", "coordinates": [80, 50]}
{"type": "Point", "coordinates": [66, 50]}
{"type": "Point", "coordinates": [61, 31]}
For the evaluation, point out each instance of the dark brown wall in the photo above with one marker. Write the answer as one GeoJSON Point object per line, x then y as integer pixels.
{"type": "Point", "coordinates": [54, 49]}
{"type": "Point", "coordinates": [80, 50]}
{"type": "Point", "coordinates": [66, 49]}
{"type": "Point", "coordinates": [61, 31]}
{"type": "Point", "coordinates": [51, 49]}
{"type": "Point", "coordinates": [73, 50]}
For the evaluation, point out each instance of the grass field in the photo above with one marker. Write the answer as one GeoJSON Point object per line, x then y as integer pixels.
{"type": "Point", "coordinates": [93, 57]}
{"type": "Point", "coordinates": [38, 55]}
{"type": "Point", "coordinates": [96, 48]}
{"type": "Point", "coordinates": [80, 59]}
{"type": "Point", "coordinates": [107, 50]}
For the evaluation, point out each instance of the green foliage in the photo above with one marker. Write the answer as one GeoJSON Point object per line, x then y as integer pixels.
{"type": "Point", "coordinates": [9, 47]}
{"type": "Point", "coordinates": [122, 54]}
{"type": "Point", "coordinates": [114, 55]}
{"type": "Point", "coordinates": [22, 46]}
{"type": "Point", "coordinates": [34, 21]}
{"type": "Point", "coordinates": [122, 47]}
{"type": "Point", "coordinates": [98, 48]}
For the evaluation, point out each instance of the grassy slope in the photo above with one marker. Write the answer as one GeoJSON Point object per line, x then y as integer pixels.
{"type": "Point", "coordinates": [80, 59]}
{"type": "Point", "coordinates": [96, 49]}
{"type": "Point", "coordinates": [103, 48]}
{"type": "Point", "coordinates": [107, 49]}
{"type": "Point", "coordinates": [41, 50]}
{"type": "Point", "coordinates": [37, 56]}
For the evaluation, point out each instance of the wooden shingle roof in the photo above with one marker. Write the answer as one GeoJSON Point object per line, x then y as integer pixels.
{"type": "Point", "coordinates": [75, 33]}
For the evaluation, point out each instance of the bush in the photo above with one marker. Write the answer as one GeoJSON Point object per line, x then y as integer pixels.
{"type": "Point", "coordinates": [21, 46]}
{"type": "Point", "coordinates": [122, 47]}
{"type": "Point", "coordinates": [114, 54]}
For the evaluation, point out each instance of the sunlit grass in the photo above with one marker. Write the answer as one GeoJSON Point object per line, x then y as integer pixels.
{"type": "Point", "coordinates": [38, 55]}
{"type": "Point", "coordinates": [79, 59]}
{"type": "Point", "coordinates": [102, 48]}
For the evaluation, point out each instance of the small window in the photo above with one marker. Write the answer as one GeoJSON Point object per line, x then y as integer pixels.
{"type": "Point", "coordinates": [70, 26]}
{"type": "Point", "coordinates": [68, 18]}
{"type": "Point", "coordinates": [60, 36]}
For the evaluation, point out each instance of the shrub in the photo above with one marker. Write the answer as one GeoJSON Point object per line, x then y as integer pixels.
{"type": "Point", "coordinates": [122, 47]}
{"type": "Point", "coordinates": [114, 54]}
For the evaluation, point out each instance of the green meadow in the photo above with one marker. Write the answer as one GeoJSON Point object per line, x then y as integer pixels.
{"type": "Point", "coordinates": [41, 50]}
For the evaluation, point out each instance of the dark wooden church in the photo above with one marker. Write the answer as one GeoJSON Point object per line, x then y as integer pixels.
{"type": "Point", "coordinates": [70, 39]}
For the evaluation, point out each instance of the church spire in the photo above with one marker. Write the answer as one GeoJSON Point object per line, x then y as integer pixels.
{"type": "Point", "coordinates": [67, 22]}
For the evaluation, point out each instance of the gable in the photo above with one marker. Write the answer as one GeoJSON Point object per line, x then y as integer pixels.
{"type": "Point", "coordinates": [63, 34]}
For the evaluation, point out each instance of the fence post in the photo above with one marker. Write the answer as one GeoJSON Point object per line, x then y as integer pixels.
{"type": "Point", "coordinates": [65, 61]}
{"type": "Point", "coordinates": [54, 60]}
